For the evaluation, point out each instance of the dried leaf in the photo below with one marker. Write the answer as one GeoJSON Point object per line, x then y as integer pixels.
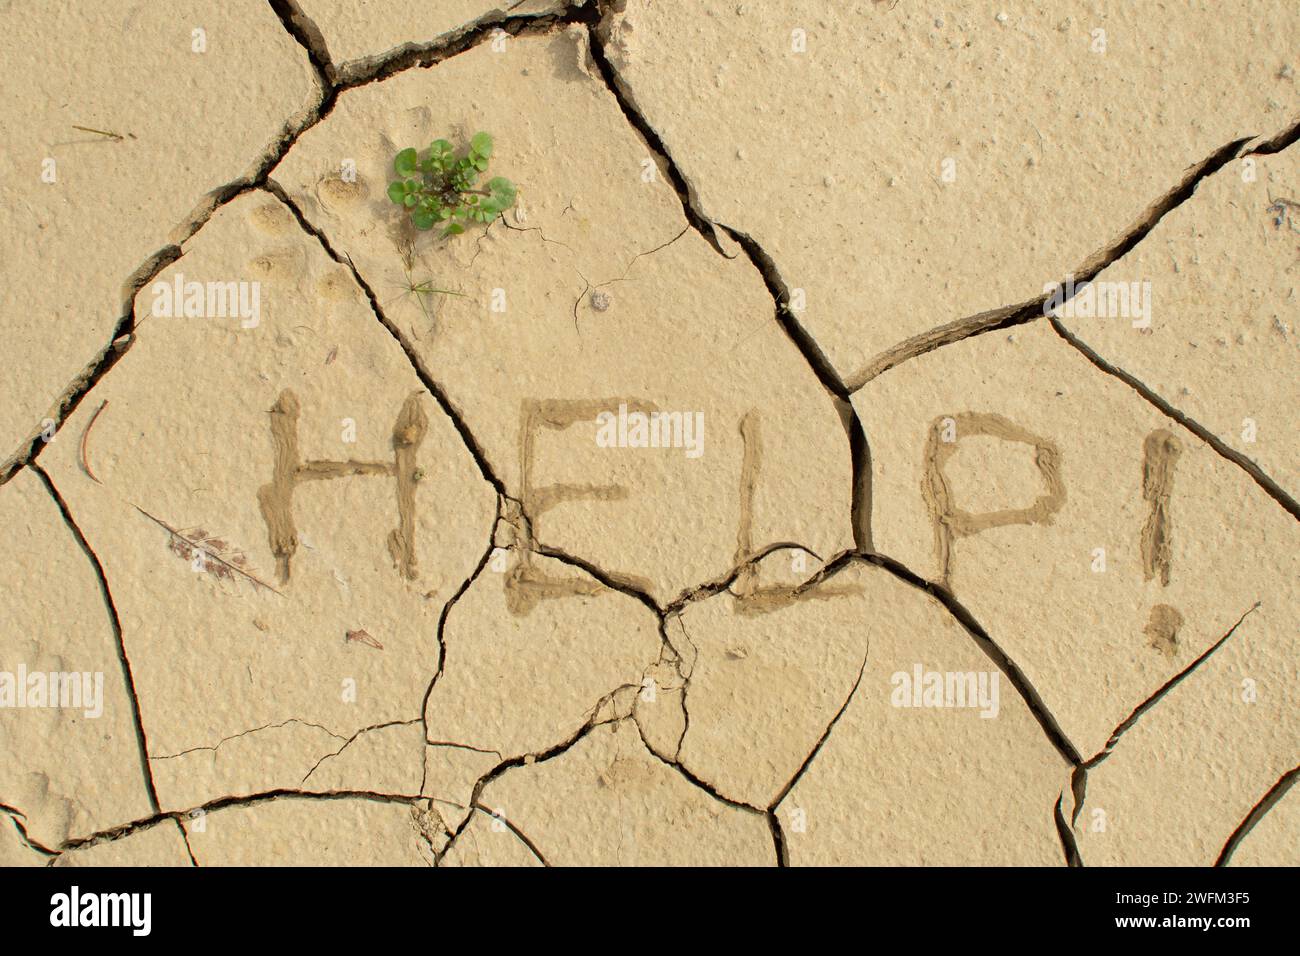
{"type": "Point", "coordinates": [362, 637]}
{"type": "Point", "coordinates": [221, 563]}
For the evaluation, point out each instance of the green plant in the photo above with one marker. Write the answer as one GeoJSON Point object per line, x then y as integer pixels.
{"type": "Point", "coordinates": [424, 293]}
{"type": "Point", "coordinates": [441, 186]}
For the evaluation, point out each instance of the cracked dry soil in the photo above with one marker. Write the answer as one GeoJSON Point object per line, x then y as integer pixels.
{"type": "Point", "coordinates": [355, 573]}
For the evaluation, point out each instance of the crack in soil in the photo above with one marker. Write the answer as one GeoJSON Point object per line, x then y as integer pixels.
{"type": "Point", "coordinates": [142, 742]}
{"type": "Point", "coordinates": [442, 639]}
{"type": "Point", "coordinates": [700, 592]}
{"type": "Point", "coordinates": [1224, 450]}
{"type": "Point", "coordinates": [859, 447]}
{"type": "Point", "coordinates": [304, 30]}
{"type": "Point", "coordinates": [1079, 776]}
{"type": "Point", "coordinates": [509, 825]}
{"type": "Point", "coordinates": [1069, 846]}
{"type": "Point", "coordinates": [1257, 813]}
{"type": "Point", "coordinates": [413, 358]}
{"type": "Point", "coordinates": [16, 817]}
{"type": "Point", "coordinates": [423, 56]}
{"type": "Point", "coordinates": [1164, 689]}
{"type": "Point", "coordinates": [113, 834]}
{"type": "Point", "coordinates": [1005, 317]}
{"type": "Point", "coordinates": [351, 740]}
{"type": "Point", "coordinates": [475, 800]}
{"type": "Point", "coordinates": [1033, 700]}
{"type": "Point", "coordinates": [244, 733]}
{"type": "Point", "coordinates": [1009, 316]}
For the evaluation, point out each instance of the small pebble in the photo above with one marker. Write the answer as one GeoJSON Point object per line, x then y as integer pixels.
{"type": "Point", "coordinates": [600, 301]}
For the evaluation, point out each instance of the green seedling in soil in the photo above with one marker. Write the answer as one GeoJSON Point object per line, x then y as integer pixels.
{"type": "Point", "coordinates": [424, 289]}
{"type": "Point", "coordinates": [440, 186]}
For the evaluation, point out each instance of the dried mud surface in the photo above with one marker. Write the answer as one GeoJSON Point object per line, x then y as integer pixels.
{"type": "Point", "coordinates": [936, 564]}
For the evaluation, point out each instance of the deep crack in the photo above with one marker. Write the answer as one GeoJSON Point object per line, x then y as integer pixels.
{"type": "Point", "coordinates": [142, 742]}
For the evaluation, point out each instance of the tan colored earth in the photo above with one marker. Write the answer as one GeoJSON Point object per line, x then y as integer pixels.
{"type": "Point", "coordinates": [868, 438]}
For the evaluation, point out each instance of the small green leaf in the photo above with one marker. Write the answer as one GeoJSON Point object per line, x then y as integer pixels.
{"type": "Point", "coordinates": [439, 147]}
{"type": "Point", "coordinates": [480, 163]}
{"type": "Point", "coordinates": [455, 229]}
{"type": "Point", "coordinates": [423, 219]}
{"type": "Point", "coordinates": [502, 190]}
{"type": "Point", "coordinates": [406, 162]}
{"type": "Point", "coordinates": [397, 191]}
{"type": "Point", "coordinates": [411, 199]}
{"type": "Point", "coordinates": [481, 145]}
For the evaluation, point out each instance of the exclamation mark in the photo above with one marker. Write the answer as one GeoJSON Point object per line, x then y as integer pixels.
{"type": "Point", "coordinates": [1160, 453]}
